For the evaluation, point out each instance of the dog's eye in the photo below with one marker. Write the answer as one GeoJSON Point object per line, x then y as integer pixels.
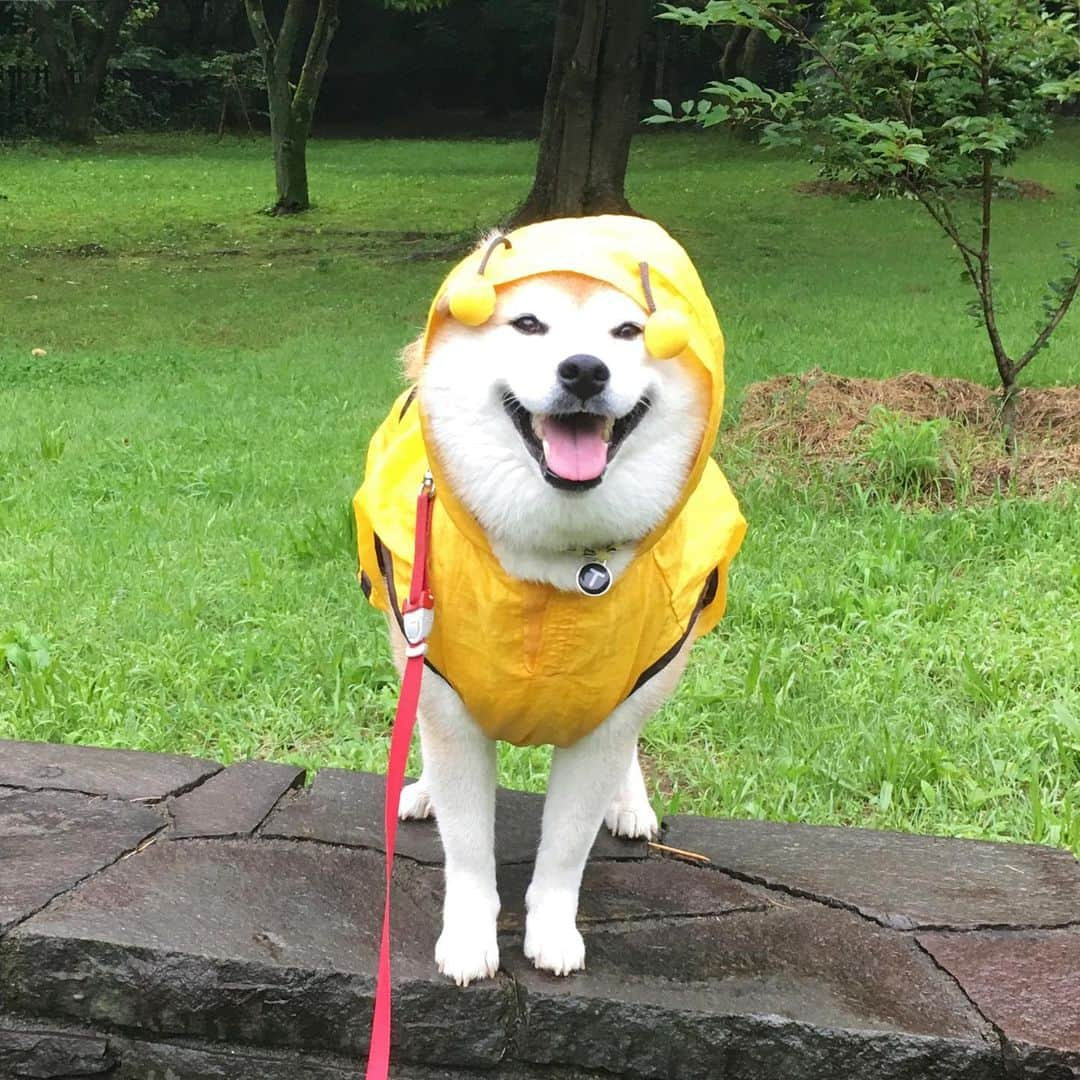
{"type": "Point", "coordinates": [626, 331]}
{"type": "Point", "coordinates": [528, 324]}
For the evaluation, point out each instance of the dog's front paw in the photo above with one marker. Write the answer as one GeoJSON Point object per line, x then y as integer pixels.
{"type": "Point", "coordinates": [467, 949]}
{"type": "Point", "coordinates": [552, 941]}
{"type": "Point", "coordinates": [554, 944]}
{"type": "Point", "coordinates": [634, 819]}
{"type": "Point", "coordinates": [414, 803]}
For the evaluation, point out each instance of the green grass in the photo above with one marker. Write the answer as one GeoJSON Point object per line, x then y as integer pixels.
{"type": "Point", "coordinates": [175, 562]}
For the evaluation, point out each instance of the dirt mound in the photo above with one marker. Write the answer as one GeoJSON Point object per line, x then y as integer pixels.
{"type": "Point", "coordinates": [825, 417]}
{"type": "Point", "coordinates": [1025, 189]}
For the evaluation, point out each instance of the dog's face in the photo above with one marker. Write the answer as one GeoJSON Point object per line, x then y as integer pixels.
{"type": "Point", "coordinates": [553, 424]}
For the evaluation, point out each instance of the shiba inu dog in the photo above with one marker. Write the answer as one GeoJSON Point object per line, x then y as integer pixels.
{"type": "Point", "coordinates": [565, 397]}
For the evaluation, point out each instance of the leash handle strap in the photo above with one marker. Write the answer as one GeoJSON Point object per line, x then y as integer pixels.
{"type": "Point", "coordinates": [420, 601]}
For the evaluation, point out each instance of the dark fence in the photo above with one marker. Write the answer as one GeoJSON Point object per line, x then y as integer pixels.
{"type": "Point", "coordinates": [24, 97]}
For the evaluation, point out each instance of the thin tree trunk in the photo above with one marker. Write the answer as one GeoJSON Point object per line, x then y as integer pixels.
{"type": "Point", "coordinates": [1010, 399]}
{"type": "Point", "coordinates": [291, 110]}
{"type": "Point", "coordinates": [590, 110]}
{"type": "Point", "coordinates": [1005, 366]}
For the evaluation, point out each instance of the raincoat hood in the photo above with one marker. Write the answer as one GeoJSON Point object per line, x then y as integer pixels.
{"type": "Point", "coordinates": [612, 249]}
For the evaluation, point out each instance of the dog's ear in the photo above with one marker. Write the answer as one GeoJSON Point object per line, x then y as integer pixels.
{"type": "Point", "coordinates": [412, 359]}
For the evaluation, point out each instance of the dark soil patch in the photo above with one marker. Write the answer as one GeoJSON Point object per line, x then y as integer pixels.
{"type": "Point", "coordinates": [1008, 187]}
{"type": "Point", "coordinates": [827, 418]}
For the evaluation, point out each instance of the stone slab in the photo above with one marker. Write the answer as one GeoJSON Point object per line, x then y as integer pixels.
{"type": "Point", "coordinates": [258, 942]}
{"type": "Point", "coordinates": [900, 880]}
{"type": "Point", "coordinates": [234, 801]}
{"type": "Point", "coordinates": [49, 840]}
{"type": "Point", "coordinates": [252, 958]}
{"type": "Point", "coordinates": [1025, 1062]}
{"type": "Point", "coordinates": [799, 990]}
{"type": "Point", "coordinates": [620, 891]}
{"type": "Point", "coordinates": [1026, 982]}
{"type": "Point", "coordinates": [47, 1051]}
{"type": "Point", "coordinates": [169, 1061]}
{"type": "Point", "coordinates": [343, 807]}
{"type": "Point", "coordinates": [121, 774]}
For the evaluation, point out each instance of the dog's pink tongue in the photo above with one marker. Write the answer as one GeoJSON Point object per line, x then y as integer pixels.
{"type": "Point", "coordinates": [575, 449]}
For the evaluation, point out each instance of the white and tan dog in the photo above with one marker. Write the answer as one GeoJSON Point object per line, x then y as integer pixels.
{"type": "Point", "coordinates": [567, 393]}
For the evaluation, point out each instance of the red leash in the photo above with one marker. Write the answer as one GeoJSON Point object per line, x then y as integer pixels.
{"type": "Point", "coordinates": [417, 617]}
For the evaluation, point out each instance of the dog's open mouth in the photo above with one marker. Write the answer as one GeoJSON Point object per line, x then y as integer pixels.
{"type": "Point", "coordinates": [573, 449]}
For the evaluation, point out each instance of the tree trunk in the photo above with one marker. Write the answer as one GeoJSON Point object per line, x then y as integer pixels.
{"type": "Point", "coordinates": [291, 110]}
{"type": "Point", "coordinates": [74, 93]}
{"type": "Point", "coordinates": [290, 169]}
{"type": "Point", "coordinates": [77, 110]}
{"type": "Point", "coordinates": [730, 62]}
{"type": "Point", "coordinates": [64, 93]}
{"type": "Point", "coordinates": [590, 110]}
{"type": "Point", "coordinates": [290, 160]}
{"type": "Point", "coordinates": [660, 64]}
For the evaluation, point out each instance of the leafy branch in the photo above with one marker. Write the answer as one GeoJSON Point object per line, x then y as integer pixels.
{"type": "Point", "coordinates": [926, 101]}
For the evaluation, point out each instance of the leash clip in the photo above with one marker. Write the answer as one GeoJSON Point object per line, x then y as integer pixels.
{"type": "Point", "coordinates": [416, 623]}
{"type": "Point", "coordinates": [418, 617]}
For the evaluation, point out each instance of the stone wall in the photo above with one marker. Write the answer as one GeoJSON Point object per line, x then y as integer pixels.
{"type": "Point", "coordinates": [164, 918]}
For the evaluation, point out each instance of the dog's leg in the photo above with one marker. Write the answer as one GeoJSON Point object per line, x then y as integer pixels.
{"type": "Point", "coordinates": [459, 771]}
{"type": "Point", "coordinates": [460, 774]}
{"type": "Point", "coordinates": [414, 803]}
{"type": "Point", "coordinates": [630, 813]}
{"type": "Point", "coordinates": [458, 781]}
{"type": "Point", "coordinates": [585, 779]}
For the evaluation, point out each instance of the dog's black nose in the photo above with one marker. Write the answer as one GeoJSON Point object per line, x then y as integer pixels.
{"type": "Point", "coordinates": [583, 375]}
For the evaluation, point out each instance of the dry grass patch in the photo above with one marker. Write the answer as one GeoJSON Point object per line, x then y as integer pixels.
{"type": "Point", "coordinates": [950, 425]}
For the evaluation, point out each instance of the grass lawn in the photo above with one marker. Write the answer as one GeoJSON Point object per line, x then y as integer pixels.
{"type": "Point", "coordinates": [176, 569]}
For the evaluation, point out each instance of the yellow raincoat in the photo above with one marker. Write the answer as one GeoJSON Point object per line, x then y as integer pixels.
{"type": "Point", "coordinates": [531, 663]}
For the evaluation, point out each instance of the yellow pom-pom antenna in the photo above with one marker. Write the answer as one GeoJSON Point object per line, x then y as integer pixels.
{"type": "Point", "coordinates": [667, 332]}
{"type": "Point", "coordinates": [471, 299]}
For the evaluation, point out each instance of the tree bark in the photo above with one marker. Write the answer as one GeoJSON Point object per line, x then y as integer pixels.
{"type": "Point", "coordinates": [590, 110]}
{"type": "Point", "coordinates": [291, 110]}
{"type": "Point", "coordinates": [74, 92]}
{"type": "Point", "coordinates": [1010, 399]}
{"type": "Point", "coordinates": [731, 61]}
